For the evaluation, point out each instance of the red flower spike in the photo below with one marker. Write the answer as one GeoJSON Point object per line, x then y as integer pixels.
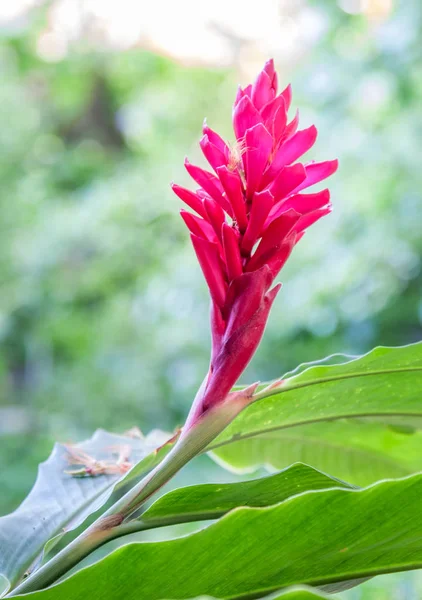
{"type": "Point", "coordinates": [257, 186]}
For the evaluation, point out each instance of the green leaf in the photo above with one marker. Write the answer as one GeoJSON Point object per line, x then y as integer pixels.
{"type": "Point", "coordinates": [60, 501]}
{"type": "Point", "coordinates": [315, 538]}
{"type": "Point", "coordinates": [384, 385]}
{"type": "Point", "coordinates": [353, 450]}
{"type": "Point", "coordinates": [301, 592]}
{"type": "Point", "coordinates": [211, 501]}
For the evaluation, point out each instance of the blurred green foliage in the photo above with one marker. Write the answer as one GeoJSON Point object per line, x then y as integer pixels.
{"type": "Point", "coordinates": [103, 311]}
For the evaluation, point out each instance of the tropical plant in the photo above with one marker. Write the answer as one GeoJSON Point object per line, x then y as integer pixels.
{"type": "Point", "coordinates": [303, 531]}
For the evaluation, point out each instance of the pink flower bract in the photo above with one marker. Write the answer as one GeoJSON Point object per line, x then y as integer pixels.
{"type": "Point", "coordinates": [250, 213]}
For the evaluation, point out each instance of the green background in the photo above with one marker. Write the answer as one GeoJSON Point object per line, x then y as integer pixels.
{"type": "Point", "coordinates": [103, 310]}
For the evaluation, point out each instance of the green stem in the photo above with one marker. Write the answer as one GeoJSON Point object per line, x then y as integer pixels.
{"type": "Point", "coordinates": [115, 521]}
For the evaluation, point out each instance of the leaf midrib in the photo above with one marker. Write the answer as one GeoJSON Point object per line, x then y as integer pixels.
{"type": "Point", "coordinates": [291, 388]}
{"type": "Point", "coordinates": [297, 386]}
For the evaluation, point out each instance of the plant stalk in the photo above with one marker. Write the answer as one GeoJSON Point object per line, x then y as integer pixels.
{"type": "Point", "coordinates": [115, 520]}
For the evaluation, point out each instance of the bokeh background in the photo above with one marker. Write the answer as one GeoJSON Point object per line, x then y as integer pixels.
{"type": "Point", "coordinates": [103, 310]}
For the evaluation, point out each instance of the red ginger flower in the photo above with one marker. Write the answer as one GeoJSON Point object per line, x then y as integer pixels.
{"type": "Point", "coordinates": [250, 214]}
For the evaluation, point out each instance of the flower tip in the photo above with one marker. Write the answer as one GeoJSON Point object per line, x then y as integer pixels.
{"type": "Point", "coordinates": [314, 131]}
{"type": "Point", "coordinates": [273, 293]}
{"type": "Point", "coordinates": [269, 66]}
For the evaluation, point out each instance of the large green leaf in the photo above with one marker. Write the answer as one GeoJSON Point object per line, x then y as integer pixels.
{"type": "Point", "coordinates": [315, 538]}
{"type": "Point", "coordinates": [385, 384]}
{"type": "Point", "coordinates": [59, 501]}
{"type": "Point", "coordinates": [354, 450]}
{"type": "Point", "coordinates": [213, 500]}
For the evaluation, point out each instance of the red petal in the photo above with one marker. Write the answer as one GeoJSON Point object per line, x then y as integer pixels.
{"type": "Point", "coordinates": [239, 96]}
{"type": "Point", "coordinates": [311, 218]}
{"type": "Point", "coordinates": [232, 185]}
{"type": "Point", "coordinates": [289, 151]}
{"type": "Point", "coordinates": [275, 118]}
{"type": "Point", "coordinates": [270, 109]}
{"type": "Point", "coordinates": [209, 261]}
{"type": "Point", "coordinates": [262, 91]}
{"type": "Point", "coordinates": [279, 259]}
{"type": "Point", "coordinates": [287, 95]}
{"type": "Point", "coordinates": [245, 297]}
{"type": "Point", "coordinates": [287, 180]}
{"type": "Point", "coordinates": [198, 226]}
{"type": "Point", "coordinates": [215, 139]}
{"type": "Point", "coordinates": [269, 68]}
{"type": "Point", "coordinates": [272, 239]}
{"type": "Point", "coordinates": [259, 144]}
{"type": "Point", "coordinates": [294, 147]}
{"type": "Point", "coordinates": [190, 198]}
{"type": "Point", "coordinates": [241, 93]}
{"type": "Point", "coordinates": [231, 252]}
{"type": "Point", "coordinates": [215, 215]}
{"type": "Point", "coordinates": [279, 125]}
{"type": "Point", "coordinates": [291, 128]}
{"type": "Point", "coordinates": [218, 327]}
{"type": "Point", "coordinates": [305, 203]}
{"type": "Point", "coordinates": [316, 172]}
{"type": "Point", "coordinates": [214, 155]}
{"type": "Point", "coordinates": [261, 205]}
{"type": "Point", "coordinates": [210, 183]}
{"type": "Point", "coordinates": [270, 71]}
{"type": "Point", "coordinates": [248, 91]}
{"type": "Point", "coordinates": [245, 116]}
